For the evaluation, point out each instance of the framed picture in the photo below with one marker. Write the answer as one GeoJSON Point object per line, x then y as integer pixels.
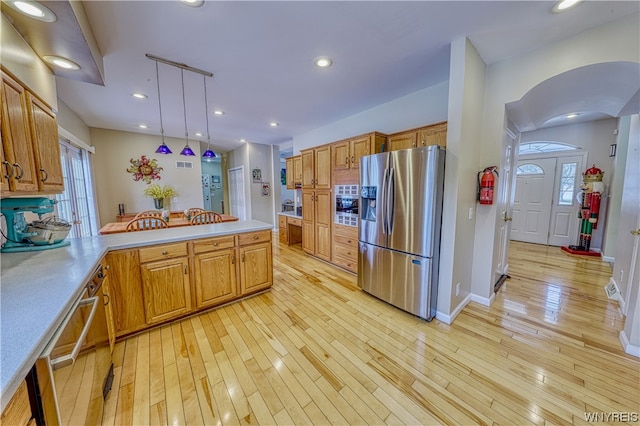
{"type": "Point", "coordinates": [283, 176]}
{"type": "Point", "coordinates": [256, 175]}
{"type": "Point", "coordinates": [266, 189]}
{"type": "Point", "coordinates": [215, 178]}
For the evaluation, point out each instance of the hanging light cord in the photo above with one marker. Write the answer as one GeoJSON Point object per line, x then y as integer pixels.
{"type": "Point", "coordinates": [206, 110]}
{"type": "Point", "coordinates": [159, 103]}
{"type": "Point", "coordinates": [184, 107]}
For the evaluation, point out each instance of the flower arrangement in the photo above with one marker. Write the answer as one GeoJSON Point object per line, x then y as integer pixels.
{"type": "Point", "coordinates": [160, 192]}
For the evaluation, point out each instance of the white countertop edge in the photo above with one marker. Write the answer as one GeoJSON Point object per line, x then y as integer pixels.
{"type": "Point", "coordinates": [19, 265]}
{"type": "Point", "coordinates": [293, 215]}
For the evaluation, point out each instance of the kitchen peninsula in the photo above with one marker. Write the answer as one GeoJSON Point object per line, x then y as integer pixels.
{"type": "Point", "coordinates": [38, 289]}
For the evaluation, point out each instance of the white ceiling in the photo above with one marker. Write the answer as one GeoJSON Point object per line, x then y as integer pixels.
{"type": "Point", "coordinates": [262, 56]}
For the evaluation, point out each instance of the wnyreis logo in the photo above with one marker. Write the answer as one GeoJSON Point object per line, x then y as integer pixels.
{"type": "Point", "coordinates": [611, 417]}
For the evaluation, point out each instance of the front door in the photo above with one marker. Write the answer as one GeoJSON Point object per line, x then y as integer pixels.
{"type": "Point", "coordinates": [532, 202]}
{"type": "Point", "coordinates": [563, 228]}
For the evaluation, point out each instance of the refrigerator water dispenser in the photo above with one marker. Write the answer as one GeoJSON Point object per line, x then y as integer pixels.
{"type": "Point", "coordinates": [368, 204]}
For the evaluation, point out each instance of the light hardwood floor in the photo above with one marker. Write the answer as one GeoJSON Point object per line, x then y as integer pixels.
{"type": "Point", "coordinates": [316, 350]}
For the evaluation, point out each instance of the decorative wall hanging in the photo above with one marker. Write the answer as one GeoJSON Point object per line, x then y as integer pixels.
{"type": "Point", "coordinates": [144, 169]}
{"type": "Point", "coordinates": [266, 189]}
{"type": "Point", "coordinates": [256, 175]}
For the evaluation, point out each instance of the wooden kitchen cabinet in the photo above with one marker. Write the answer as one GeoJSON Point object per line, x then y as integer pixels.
{"type": "Point", "coordinates": [434, 134]}
{"type": "Point", "coordinates": [256, 271]}
{"type": "Point", "coordinates": [346, 154]}
{"type": "Point", "coordinates": [165, 283]}
{"type": "Point", "coordinates": [282, 229]}
{"type": "Point", "coordinates": [18, 410]}
{"type": "Point", "coordinates": [294, 172]}
{"type": "Point", "coordinates": [44, 131]}
{"type": "Point", "coordinates": [125, 285]}
{"type": "Point", "coordinates": [345, 247]}
{"type": "Point", "coordinates": [215, 271]}
{"type": "Point", "coordinates": [317, 217]}
{"type": "Point", "coordinates": [108, 307]}
{"type": "Point", "coordinates": [18, 165]}
{"type": "Point", "coordinates": [316, 168]}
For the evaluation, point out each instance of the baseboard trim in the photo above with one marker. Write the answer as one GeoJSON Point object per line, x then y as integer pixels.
{"type": "Point", "coordinates": [608, 259]}
{"type": "Point", "coordinates": [483, 300]}
{"type": "Point", "coordinates": [628, 347]}
{"type": "Point", "coordinates": [448, 319]}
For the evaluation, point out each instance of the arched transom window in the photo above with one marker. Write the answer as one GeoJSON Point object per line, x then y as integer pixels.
{"type": "Point", "coordinates": [544, 146]}
{"type": "Point", "coordinates": [529, 169]}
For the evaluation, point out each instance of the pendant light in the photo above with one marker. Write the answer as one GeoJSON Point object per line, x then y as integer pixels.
{"type": "Point", "coordinates": [208, 154]}
{"type": "Point", "coordinates": [163, 148]}
{"type": "Point", "coordinates": [187, 149]}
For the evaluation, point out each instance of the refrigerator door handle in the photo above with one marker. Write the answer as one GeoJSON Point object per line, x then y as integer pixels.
{"type": "Point", "coordinates": [391, 200]}
{"type": "Point", "coordinates": [383, 201]}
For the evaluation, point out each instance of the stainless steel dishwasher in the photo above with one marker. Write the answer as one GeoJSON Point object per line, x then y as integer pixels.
{"type": "Point", "coordinates": [75, 371]}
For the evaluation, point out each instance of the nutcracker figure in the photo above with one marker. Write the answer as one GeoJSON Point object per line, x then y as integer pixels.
{"type": "Point", "coordinates": [589, 197]}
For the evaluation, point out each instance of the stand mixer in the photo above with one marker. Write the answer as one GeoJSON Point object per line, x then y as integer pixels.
{"type": "Point", "coordinates": [18, 235]}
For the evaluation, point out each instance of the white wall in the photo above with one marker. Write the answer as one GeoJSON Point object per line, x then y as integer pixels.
{"type": "Point", "coordinates": [509, 80]}
{"type": "Point", "coordinates": [262, 205]}
{"type": "Point", "coordinates": [236, 158]}
{"type": "Point", "coordinates": [69, 120]}
{"type": "Point", "coordinates": [420, 108]}
{"type": "Point", "coordinates": [22, 61]}
{"type": "Point", "coordinates": [115, 185]}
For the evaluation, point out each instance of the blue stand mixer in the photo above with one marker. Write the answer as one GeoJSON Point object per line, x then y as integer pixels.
{"type": "Point", "coordinates": [20, 235]}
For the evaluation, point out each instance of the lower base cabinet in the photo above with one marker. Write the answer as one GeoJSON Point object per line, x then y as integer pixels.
{"type": "Point", "coordinates": [18, 411]}
{"type": "Point", "coordinates": [160, 283]}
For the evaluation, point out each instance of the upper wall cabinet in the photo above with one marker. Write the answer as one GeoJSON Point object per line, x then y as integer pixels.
{"type": "Point", "coordinates": [294, 172]}
{"type": "Point", "coordinates": [316, 168]}
{"type": "Point", "coordinates": [346, 154]}
{"type": "Point", "coordinates": [435, 134]}
{"type": "Point", "coordinates": [30, 147]}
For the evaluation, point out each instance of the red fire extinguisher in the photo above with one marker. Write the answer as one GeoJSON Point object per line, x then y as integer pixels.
{"type": "Point", "coordinates": [486, 184]}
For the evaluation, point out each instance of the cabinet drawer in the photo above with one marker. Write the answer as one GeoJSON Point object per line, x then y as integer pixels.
{"type": "Point", "coordinates": [282, 221]}
{"type": "Point", "coordinates": [211, 244]}
{"type": "Point", "coordinates": [254, 237]}
{"type": "Point", "coordinates": [346, 241]}
{"type": "Point", "coordinates": [294, 221]}
{"type": "Point", "coordinates": [349, 264]}
{"type": "Point", "coordinates": [346, 251]}
{"type": "Point", "coordinates": [165, 251]}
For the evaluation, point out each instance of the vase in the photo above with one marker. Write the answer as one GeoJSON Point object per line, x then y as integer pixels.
{"type": "Point", "coordinates": [159, 202]}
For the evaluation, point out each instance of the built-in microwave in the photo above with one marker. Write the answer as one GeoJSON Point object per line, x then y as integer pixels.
{"type": "Point", "coordinates": [347, 198]}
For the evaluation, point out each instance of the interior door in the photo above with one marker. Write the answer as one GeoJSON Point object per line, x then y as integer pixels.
{"type": "Point", "coordinates": [73, 203]}
{"type": "Point", "coordinates": [505, 208]}
{"type": "Point", "coordinates": [236, 193]}
{"type": "Point", "coordinates": [563, 229]}
{"type": "Point", "coordinates": [532, 202]}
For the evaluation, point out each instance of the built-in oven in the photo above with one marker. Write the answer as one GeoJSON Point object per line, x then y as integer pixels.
{"type": "Point", "coordinates": [347, 197]}
{"type": "Point", "coordinates": [75, 371]}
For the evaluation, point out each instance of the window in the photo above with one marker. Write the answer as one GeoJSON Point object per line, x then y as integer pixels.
{"type": "Point", "coordinates": [75, 204]}
{"type": "Point", "coordinates": [529, 169]}
{"type": "Point", "coordinates": [567, 184]}
{"type": "Point", "coordinates": [541, 147]}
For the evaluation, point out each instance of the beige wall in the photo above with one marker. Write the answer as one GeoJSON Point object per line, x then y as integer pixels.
{"type": "Point", "coordinates": [115, 185]}
{"type": "Point", "coordinates": [22, 61]}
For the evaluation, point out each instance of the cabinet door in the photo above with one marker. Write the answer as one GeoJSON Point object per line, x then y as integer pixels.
{"type": "Point", "coordinates": [359, 148]}
{"type": "Point", "coordinates": [308, 219]}
{"type": "Point", "coordinates": [108, 308]}
{"type": "Point", "coordinates": [256, 271]}
{"type": "Point", "coordinates": [289, 166]}
{"type": "Point", "coordinates": [18, 409]}
{"type": "Point", "coordinates": [297, 170]}
{"type": "Point", "coordinates": [44, 131]}
{"type": "Point", "coordinates": [16, 137]}
{"type": "Point", "coordinates": [323, 219]}
{"type": "Point", "coordinates": [323, 167]}
{"type": "Point", "coordinates": [215, 277]}
{"type": "Point", "coordinates": [433, 135]}
{"type": "Point", "coordinates": [5, 166]}
{"type": "Point", "coordinates": [126, 291]}
{"type": "Point", "coordinates": [402, 141]}
{"type": "Point", "coordinates": [282, 229]}
{"type": "Point", "coordinates": [166, 289]}
{"type": "Point", "coordinates": [340, 153]}
{"type": "Point", "coordinates": [308, 178]}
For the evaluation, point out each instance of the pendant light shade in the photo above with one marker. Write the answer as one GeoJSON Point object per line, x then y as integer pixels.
{"type": "Point", "coordinates": [163, 148]}
{"type": "Point", "coordinates": [208, 154]}
{"type": "Point", "coordinates": [187, 149]}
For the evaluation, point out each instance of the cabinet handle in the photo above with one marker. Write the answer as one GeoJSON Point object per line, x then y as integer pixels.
{"type": "Point", "coordinates": [107, 267]}
{"type": "Point", "coordinates": [349, 241]}
{"type": "Point", "coordinates": [215, 244]}
{"type": "Point", "coordinates": [414, 144]}
{"type": "Point", "coordinates": [8, 169]}
{"type": "Point", "coordinates": [19, 175]}
{"type": "Point", "coordinates": [185, 269]}
{"type": "Point", "coordinates": [242, 257]}
{"type": "Point", "coordinates": [45, 177]}
{"type": "Point", "coordinates": [107, 299]}
{"type": "Point", "coordinates": [164, 253]}
{"type": "Point", "coordinates": [346, 160]}
{"type": "Point", "coordinates": [255, 237]}
{"type": "Point", "coordinates": [353, 159]}
{"type": "Point", "coordinates": [233, 259]}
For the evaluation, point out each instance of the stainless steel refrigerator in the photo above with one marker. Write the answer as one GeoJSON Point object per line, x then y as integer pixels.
{"type": "Point", "coordinates": [400, 218]}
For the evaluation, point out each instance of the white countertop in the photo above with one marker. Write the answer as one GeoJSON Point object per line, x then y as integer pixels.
{"type": "Point", "coordinates": [290, 214]}
{"type": "Point", "coordinates": [38, 288]}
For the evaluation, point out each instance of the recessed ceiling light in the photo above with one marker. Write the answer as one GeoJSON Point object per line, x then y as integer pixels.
{"type": "Point", "coordinates": [564, 5]}
{"type": "Point", "coordinates": [34, 10]}
{"type": "Point", "coordinates": [243, 140]}
{"type": "Point", "coordinates": [274, 124]}
{"type": "Point", "coordinates": [61, 62]}
{"type": "Point", "coordinates": [572, 115]}
{"type": "Point", "coordinates": [139, 95]}
{"type": "Point", "coordinates": [218, 112]}
{"type": "Point", "coordinates": [143, 126]}
{"type": "Point", "coordinates": [193, 3]}
{"type": "Point", "coordinates": [322, 62]}
{"type": "Point", "coordinates": [198, 134]}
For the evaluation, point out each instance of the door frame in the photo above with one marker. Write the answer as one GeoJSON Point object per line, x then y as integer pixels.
{"type": "Point", "coordinates": [232, 192]}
